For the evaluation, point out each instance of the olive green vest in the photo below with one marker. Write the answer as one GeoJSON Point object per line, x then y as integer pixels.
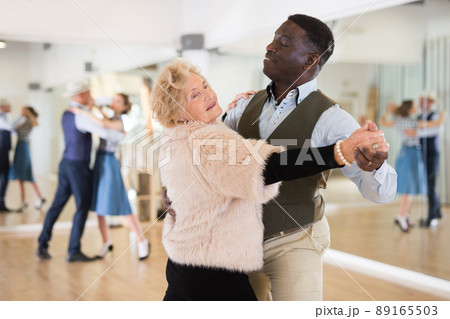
{"type": "Point", "coordinates": [299, 199]}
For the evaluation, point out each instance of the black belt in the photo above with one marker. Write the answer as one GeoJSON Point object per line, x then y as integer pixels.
{"type": "Point", "coordinates": [287, 232]}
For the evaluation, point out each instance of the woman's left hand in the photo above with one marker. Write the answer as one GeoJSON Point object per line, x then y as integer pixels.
{"type": "Point", "coordinates": [245, 95]}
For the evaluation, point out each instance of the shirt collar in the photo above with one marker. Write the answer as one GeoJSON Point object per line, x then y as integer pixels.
{"type": "Point", "coordinates": [76, 104]}
{"type": "Point", "coordinates": [300, 92]}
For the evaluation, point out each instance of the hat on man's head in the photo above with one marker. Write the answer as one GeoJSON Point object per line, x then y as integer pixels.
{"type": "Point", "coordinates": [3, 102]}
{"type": "Point", "coordinates": [76, 87]}
{"type": "Point", "coordinates": [429, 95]}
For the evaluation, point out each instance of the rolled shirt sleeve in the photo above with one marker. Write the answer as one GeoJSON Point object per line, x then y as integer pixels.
{"type": "Point", "coordinates": [430, 131]}
{"type": "Point", "coordinates": [379, 186]}
{"type": "Point", "coordinates": [5, 124]}
{"type": "Point", "coordinates": [84, 124]}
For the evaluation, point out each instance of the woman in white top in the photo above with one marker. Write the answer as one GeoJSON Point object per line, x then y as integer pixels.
{"type": "Point", "coordinates": [21, 169]}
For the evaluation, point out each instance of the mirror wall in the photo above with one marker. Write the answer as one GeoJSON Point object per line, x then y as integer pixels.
{"type": "Point", "coordinates": [390, 56]}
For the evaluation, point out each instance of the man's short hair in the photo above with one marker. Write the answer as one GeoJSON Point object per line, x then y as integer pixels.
{"type": "Point", "coordinates": [318, 35]}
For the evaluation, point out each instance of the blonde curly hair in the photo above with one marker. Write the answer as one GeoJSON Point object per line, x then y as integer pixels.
{"type": "Point", "coordinates": [167, 98]}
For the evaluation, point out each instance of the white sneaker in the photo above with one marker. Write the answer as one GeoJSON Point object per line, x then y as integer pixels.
{"type": "Point", "coordinates": [106, 247]}
{"type": "Point", "coordinates": [39, 203]}
{"type": "Point", "coordinates": [143, 249]}
{"type": "Point", "coordinates": [434, 222]}
{"type": "Point", "coordinates": [402, 223]}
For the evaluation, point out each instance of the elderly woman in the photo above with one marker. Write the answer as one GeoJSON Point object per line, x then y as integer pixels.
{"type": "Point", "coordinates": [218, 182]}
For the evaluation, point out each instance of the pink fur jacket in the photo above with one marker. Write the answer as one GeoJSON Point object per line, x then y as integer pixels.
{"type": "Point", "coordinates": [214, 178]}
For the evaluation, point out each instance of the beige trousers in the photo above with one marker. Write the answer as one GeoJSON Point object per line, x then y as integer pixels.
{"type": "Point", "coordinates": [293, 265]}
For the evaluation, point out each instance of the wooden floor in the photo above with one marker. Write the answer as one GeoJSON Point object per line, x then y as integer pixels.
{"type": "Point", "coordinates": [357, 227]}
{"type": "Point", "coordinates": [47, 185]}
{"type": "Point", "coordinates": [367, 230]}
{"type": "Point", "coordinates": [121, 276]}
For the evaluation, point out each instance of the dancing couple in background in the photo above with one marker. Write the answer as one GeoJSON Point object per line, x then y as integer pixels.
{"type": "Point", "coordinates": [75, 176]}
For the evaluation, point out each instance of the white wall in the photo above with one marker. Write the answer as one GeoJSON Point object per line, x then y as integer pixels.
{"type": "Point", "coordinates": [14, 70]}
{"type": "Point", "coordinates": [86, 21]}
{"type": "Point", "coordinates": [392, 35]}
{"type": "Point", "coordinates": [17, 67]}
{"type": "Point", "coordinates": [348, 84]}
{"type": "Point", "coordinates": [438, 18]}
{"type": "Point", "coordinates": [65, 62]}
{"type": "Point", "coordinates": [230, 75]}
{"type": "Point", "coordinates": [225, 22]}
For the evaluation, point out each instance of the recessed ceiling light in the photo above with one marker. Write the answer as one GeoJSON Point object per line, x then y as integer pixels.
{"type": "Point", "coordinates": [3, 44]}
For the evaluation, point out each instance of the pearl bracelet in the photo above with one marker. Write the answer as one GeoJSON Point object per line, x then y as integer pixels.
{"type": "Point", "coordinates": [338, 150]}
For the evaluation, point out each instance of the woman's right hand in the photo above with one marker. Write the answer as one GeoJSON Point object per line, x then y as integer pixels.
{"type": "Point", "coordinates": [391, 107]}
{"type": "Point", "coordinates": [244, 95]}
{"type": "Point", "coordinates": [167, 203]}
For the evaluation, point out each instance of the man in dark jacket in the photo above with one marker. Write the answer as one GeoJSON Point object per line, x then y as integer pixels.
{"type": "Point", "coordinates": [5, 147]}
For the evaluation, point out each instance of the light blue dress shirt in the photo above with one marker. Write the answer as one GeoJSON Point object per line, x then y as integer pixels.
{"type": "Point", "coordinates": [5, 123]}
{"type": "Point", "coordinates": [430, 131]}
{"type": "Point", "coordinates": [85, 124]}
{"type": "Point", "coordinates": [334, 124]}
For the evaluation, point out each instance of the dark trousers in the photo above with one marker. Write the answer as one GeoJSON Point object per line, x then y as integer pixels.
{"type": "Point", "coordinates": [73, 178]}
{"type": "Point", "coordinates": [431, 160]}
{"type": "Point", "coordinates": [4, 175]}
{"type": "Point", "coordinates": [191, 283]}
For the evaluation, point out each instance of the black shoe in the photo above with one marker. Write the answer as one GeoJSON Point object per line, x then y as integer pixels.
{"type": "Point", "coordinates": [425, 222]}
{"type": "Point", "coordinates": [4, 209]}
{"type": "Point", "coordinates": [22, 207]}
{"type": "Point", "coordinates": [428, 222]}
{"type": "Point", "coordinates": [79, 257]}
{"type": "Point", "coordinates": [42, 253]}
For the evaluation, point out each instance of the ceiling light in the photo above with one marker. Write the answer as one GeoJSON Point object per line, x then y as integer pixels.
{"type": "Point", "coordinates": [2, 44]}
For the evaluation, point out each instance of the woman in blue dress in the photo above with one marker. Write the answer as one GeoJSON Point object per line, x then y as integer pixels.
{"type": "Point", "coordinates": [411, 179]}
{"type": "Point", "coordinates": [109, 196]}
{"type": "Point", "coordinates": [21, 169]}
